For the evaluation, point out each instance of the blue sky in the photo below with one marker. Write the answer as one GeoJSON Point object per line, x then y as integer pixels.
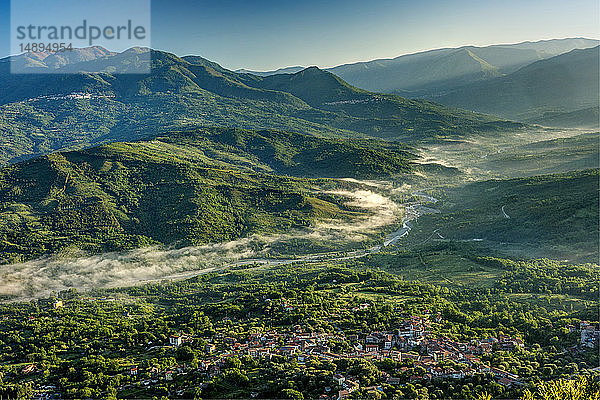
{"type": "Point", "coordinates": [266, 34]}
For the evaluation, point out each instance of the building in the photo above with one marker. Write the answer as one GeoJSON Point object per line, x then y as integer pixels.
{"type": "Point", "coordinates": [339, 379]}
{"type": "Point", "coordinates": [589, 334]}
{"type": "Point", "coordinates": [176, 340]}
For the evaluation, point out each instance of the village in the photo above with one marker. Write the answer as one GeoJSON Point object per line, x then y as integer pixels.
{"type": "Point", "coordinates": [427, 355]}
{"type": "Point", "coordinates": [410, 341]}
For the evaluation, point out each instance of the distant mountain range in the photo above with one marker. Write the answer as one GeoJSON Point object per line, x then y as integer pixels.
{"type": "Point", "coordinates": [42, 113]}
{"type": "Point", "coordinates": [288, 70]}
{"type": "Point", "coordinates": [530, 81]}
{"type": "Point", "coordinates": [559, 91]}
{"type": "Point", "coordinates": [436, 71]}
{"type": "Point", "coordinates": [431, 72]}
{"type": "Point", "coordinates": [40, 62]}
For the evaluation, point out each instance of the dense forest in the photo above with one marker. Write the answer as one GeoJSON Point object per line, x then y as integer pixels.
{"type": "Point", "coordinates": [40, 114]}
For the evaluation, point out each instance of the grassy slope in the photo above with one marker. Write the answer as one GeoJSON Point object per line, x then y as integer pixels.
{"type": "Point", "coordinates": [550, 215]}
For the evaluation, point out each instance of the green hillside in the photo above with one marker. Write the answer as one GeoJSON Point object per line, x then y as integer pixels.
{"type": "Point", "coordinates": [303, 155]}
{"type": "Point", "coordinates": [314, 86]}
{"type": "Point", "coordinates": [188, 188]}
{"type": "Point", "coordinates": [553, 216]}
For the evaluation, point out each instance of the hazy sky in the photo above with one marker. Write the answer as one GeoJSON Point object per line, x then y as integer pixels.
{"type": "Point", "coordinates": [267, 34]}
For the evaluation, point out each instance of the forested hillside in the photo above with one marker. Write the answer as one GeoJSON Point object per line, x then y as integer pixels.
{"type": "Point", "coordinates": [188, 188]}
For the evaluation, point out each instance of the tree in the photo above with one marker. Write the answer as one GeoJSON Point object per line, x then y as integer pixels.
{"type": "Point", "coordinates": [583, 388]}
{"type": "Point", "coordinates": [291, 394]}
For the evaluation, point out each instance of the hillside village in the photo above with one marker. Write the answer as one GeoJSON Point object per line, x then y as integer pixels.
{"type": "Point", "coordinates": [412, 342]}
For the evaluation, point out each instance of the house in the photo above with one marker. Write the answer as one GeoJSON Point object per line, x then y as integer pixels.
{"type": "Point", "coordinates": [351, 386]}
{"type": "Point", "coordinates": [339, 379]}
{"type": "Point", "coordinates": [372, 338]}
{"type": "Point", "coordinates": [28, 369]}
{"type": "Point", "coordinates": [507, 382]}
{"type": "Point", "coordinates": [176, 340]}
{"type": "Point", "coordinates": [499, 373]}
{"type": "Point", "coordinates": [343, 394]}
{"type": "Point", "coordinates": [393, 380]}
{"type": "Point", "coordinates": [133, 371]}
{"type": "Point", "coordinates": [169, 375]}
{"type": "Point", "coordinates": [154, 371]}
{"type": "Point", "coordinates": [372, 348]}
{"type": "Point", "coordinates": [589, 335]}
{"type": "Point", "coordinates": [209, 348]}
{"type": "Point", "coordinates": [288, 350]}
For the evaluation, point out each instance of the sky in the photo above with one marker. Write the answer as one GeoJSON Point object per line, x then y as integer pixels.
{"type": "Point", "coordinates": [269, 34]}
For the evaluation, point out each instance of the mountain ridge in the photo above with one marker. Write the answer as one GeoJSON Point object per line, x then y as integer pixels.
{"type": "Point", "coordinates": [563, 84]}
{"type": "Point", "coordinates": [49, 112]}
{"type": "Point", "coordinates": [181, 189]}
{"type": "Point", "coordinates": [407, 74]}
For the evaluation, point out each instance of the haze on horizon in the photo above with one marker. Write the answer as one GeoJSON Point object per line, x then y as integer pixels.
{"type": "Point", "coordinates": [266, 34]}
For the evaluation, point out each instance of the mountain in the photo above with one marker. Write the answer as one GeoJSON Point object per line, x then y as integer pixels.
{"type": "Point", "coordinates": [185, 188]}
{"type": "Point", "coordinates": [45, 62]}
{"type": "Point", "coordinates": [303, 155]}
{"type": "Point", "coordinates": [563, 84]}
{"type": "Point", "coordinates": [315, 86]}
{"type": "Point", "coordinates": [287, 70]}
{"type": "Point", "coordinates": [42, 113]}
{"type": "Point", "coordinates": [437, 71]}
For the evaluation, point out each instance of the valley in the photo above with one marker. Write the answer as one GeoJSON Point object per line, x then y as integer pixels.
{"type": "Point", "coordinates": [204, 233]}
{"type": "Point", "coordinates": [337, 220]}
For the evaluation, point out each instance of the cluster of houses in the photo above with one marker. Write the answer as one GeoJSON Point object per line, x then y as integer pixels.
{"type": "Point", "coordinates": [73, 95]}
{"type": "Point", "coordinates": [409, 341]}
{"type": "Point", "coordinates": [590, 335]}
